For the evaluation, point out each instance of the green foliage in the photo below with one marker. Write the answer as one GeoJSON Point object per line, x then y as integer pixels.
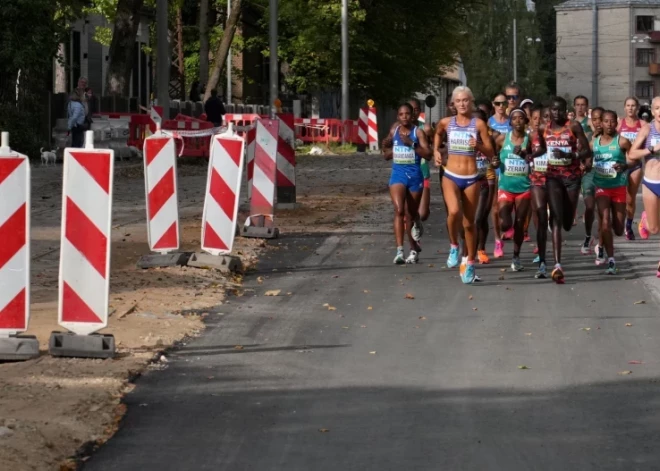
{"type": "Point", "coordinates": [488, 50]}
{"type": "Point", "coordinates": [396, 48]}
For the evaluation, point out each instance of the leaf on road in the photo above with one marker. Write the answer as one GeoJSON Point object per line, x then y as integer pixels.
{"type": "Point", "coordinates": [422, 318]}
{"type": "Point", "coordinates": [238, 347]}
{"type": "Point", "coordinates": [586, 328]}
{"type": "Point", "coordinates": [409, 296]}
{"type": "Point", "coordinates": [332, 308]}
{"type": "Point", "coordinates": [470, 297]}
{"type": "Point", "coordinates": [528, 334]}
{"type": "Point", "coordinates": [502, 270]}
{"type": "Point", "coordinates": [273, 292]}
{"type": "Point", "coordinates": [624, 373]}
{"type": "Point", "coordinates": [431, 265]}
{"type": "Point", "coordinates": [640, 302]}
{"type": "Point", "coordinates": [366, 291]}
{"type": "Point", "coordinates": [501, 277]}
{"type": "Point", "coordinates": [326, 305]}
{"type": "Point", "coordinates": [523, 367]}
{"type": "Point", "coordinates": [372, 353]}
{"type": "Point", "coordinates": [345, 327]}
{"type": "Point", "coordinates": [370, 308]}
{"type": "Point", "coordinates": [635, 362]}
{"type": "Point", "coordinates": [363, 326]}
{"type": "Point", "coordinates": [628, 324]}
{"type": "Point", "coordinates": [324, 430]}
{"type": "Point", "coordinates": [260, 279]}
{"type": "Point", "coordinates": [475, 309]}
{"type": "Point", "coordinates": [335, 276]}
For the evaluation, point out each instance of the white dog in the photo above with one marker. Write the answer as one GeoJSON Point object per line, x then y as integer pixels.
{"type": "Point", "coordinates": [48, 155]}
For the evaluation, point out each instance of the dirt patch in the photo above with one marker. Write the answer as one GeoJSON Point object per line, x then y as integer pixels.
{"type": "Point", "coordinates": [49, 407]}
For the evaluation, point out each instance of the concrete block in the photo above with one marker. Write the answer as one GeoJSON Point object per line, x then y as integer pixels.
{"type": "Point", "coordinates": [68, 344]}
{"type": "Point", "coordinates": [224, 263]}
{"type": "Point", "coordinates": [260, 232]}
{"type": "Point", "coordinates": [18, 348]}
{"type": "Point", "coordinates": [171, 259]}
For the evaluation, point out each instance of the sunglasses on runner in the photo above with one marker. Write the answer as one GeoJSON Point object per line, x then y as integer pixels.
{"type": "Point", "coordinates": [512, 97]}
{"type": "Point", "coordinates": [499, 103]}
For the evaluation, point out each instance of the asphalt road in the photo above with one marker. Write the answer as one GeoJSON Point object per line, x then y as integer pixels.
{"type": "Point", "coordinates": [346, 373]}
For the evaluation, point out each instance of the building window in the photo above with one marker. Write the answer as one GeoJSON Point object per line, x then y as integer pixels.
{"type": "Point", "coordinates": [645, 57]}
{"type": "Point", "coordinates": [644, 89]}
{"type": "Point", "coordinates": [644, 24]}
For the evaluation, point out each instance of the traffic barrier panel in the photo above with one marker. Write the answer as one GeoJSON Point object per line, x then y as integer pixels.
{"type": "Point", "coordinates": [84, 280]}
{"type": "Point", "coordinates": [195, 135]}
{"type": "Point", "coordinates": [15, 255]}
{"type": "Point", "coordinates": [261, 222]}
{"type": "Point", "coordinates": [242, 122]}
{"type": "Point", "coordinates": [373, 129]}
{"type": "Point", "coordinates": [249, 156]}
{"type": "Point", "coordinates": [286, 161]}
{"type": "Point", "coordinates": [161, 193]}
{"type": "Point", "coordinates": [311, 130]}
{"type": "Point", "coordinates": [363, 127]}
{"type": "Point", "coordinates": [223, 187]}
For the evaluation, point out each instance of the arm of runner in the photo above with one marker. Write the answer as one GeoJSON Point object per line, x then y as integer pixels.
{"type": "Point", "coordinates": [486, 146]}
{"type": "Point", "coordinates": [388, 151]}
{"type": "Point", "coordinates": [497, 142]}
{"type": "Point", "coordinates": [423, 148]}
{"type": "Point", "coordinates": [583, 147]}
{"type": "Point", "coordinates": [387, 142]}
{"type": "Point", "coordinates": [625, 145]}
{"type": "Point", "coordinates": [637, 151]}
{"type": "Point", "coordinates": [439, 141]}
{"type": "Point", "coordinates": [539, 149]}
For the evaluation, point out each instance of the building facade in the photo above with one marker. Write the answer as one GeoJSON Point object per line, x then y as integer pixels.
{"type": "Point", "coordinates": [627, 49]}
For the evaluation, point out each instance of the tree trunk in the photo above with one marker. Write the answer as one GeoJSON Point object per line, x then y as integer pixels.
{"type": "Point", "coordinates": [203, 41]}
{"type": "Point", "coordinates": [223, 48]}
{"type": "Point", "coordinates": [122, 47]}
{"type": "Point", "coordinates": [179, 51]}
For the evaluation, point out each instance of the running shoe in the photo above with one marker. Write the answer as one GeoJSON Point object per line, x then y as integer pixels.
{"type": "Point", "coordinates": [516, 265]}
{"type": "Point", "coordinates": [585, 248]}
{"type": "Point", "coordinates": [611, 268]}
{"type": "Point", "coordinates": [483, 257]}
{"type": "Point", "coordinates": [630, 235]}
{"type": "Point", "coordinates": [469, 275]}
{"type": "Point", "coordinates": [417, 230]}
{"type": "Point", "coordinates": [452, 259]}
{"type": "Point", "coordinates": [508, 235]}
{"type": "Point", "coordinates": [461, 268]}
{"type": "Point", "coordinates": [574, 222]}
{"type": "Point", "coordinates": [643, 230]}
{"type": "Point", "coordinates": [413, 257]}
{"type": "Point", "coordinates": [541, 272]}
{"type": "Point", "coordinates": [600, 255]}
{"type": "Point", "coordinates": [657, 274]}
{"type": "Point", "coordinates": [399, 260]}
{"type": "Point", "coordinates": [537, 259]}
{"type": "Point", "coordinates": [527, 238]}
{"type": "Point", "coordinates": [558, 275]}
{"type": "Point", "coordinates": [499, 249]}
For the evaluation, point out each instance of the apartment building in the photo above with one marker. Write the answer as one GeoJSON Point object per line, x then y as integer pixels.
{"type": "Point", "coordinates": [627, 50]}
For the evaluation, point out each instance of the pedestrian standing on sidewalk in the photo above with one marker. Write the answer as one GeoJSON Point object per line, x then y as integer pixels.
{"type": "Point", "coordinates": [76, 120]}
{"type": "Point", "coordinates": [214, 109]}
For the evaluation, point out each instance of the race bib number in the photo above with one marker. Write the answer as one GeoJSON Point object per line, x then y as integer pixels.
{"type": "Point", "coordinates": [459, 141]}
{"type": "Point", "coordinates": [605, 168]}
{"type": "Point", "coordinates": [631, 136]}
{"type": "Point", "coordinates": [403, 155]}
{"type": "Point", "coordinates": [482, 166]}
{"type": "Point", "coordinates": [541, 163]}
{"type": "Point", "coordinates": [514, 166]}
{"type": "Point", "coordinates": [559, 162]}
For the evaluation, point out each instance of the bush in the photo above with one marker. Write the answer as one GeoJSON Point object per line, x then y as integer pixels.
{"type": "Point", "coordinates": [21, 127]}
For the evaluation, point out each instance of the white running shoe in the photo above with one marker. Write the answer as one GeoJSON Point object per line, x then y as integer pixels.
{"type": "Point", "coordinates": [413, 257]}
{"type": "Point", "coordinates": [399, 260]}
{"type": "Point", "coordinates": [585, 248]}
{"type": "Point", "coordinates": [417, 230]}
{"type": "Point", "coordinates": [600, 255]}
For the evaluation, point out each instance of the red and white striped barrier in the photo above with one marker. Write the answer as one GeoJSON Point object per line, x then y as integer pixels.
{"type": "Point", "coordinates": [161, 193]}
{"type": "Point", "coordinates": [223, 187]}
{"type": "Point", "coordinates": [422, 118]}
{"type": "Point", "coordinates": [15, 241]}
{"type": "Point", "coordinates": [363, 127]}
{"type": "Point", "coordinates": [241, 121]}
{"type": "Point", "coordinates": [260, 223]}
{"type": "Point", "coordinates": [286, 161]}
{"type": "Point", "coordinates": [85, 241]}
{"type": "Point", "coordinates": [373, 129]}
{"type": "Point", "coordinates": [249, 157]}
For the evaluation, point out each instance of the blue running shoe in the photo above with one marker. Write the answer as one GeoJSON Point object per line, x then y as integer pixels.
{"type": "Point", "coordinates": [537, 259]}
{"type": "Point", "coordinates": [452, 260]}
{"type": "Point", "coordinates": [468, 275]}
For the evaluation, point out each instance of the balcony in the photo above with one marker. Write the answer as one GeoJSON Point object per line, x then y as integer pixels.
{"type": "Point", "coordinates": [654, 69]}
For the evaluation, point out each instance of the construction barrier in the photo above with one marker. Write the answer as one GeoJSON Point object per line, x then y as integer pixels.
{"type": "Point", "coordinates": [286, 161]}
{"type": "Point", "coordinates": [260, 223]}
{"type": "Point", "coordinates": [160, 181]}
{"type": "Point", "coordinates": [363, 127]}
{"type": "Point", "coordinates": [373, 129]}
{"type": "Point", "coordinates": [311, 131]}
{"type": "Point", "coordinates": [221, 199]}
{"type": "Point", "coordinates": [242, 122]}
{"type": "Point", "coordinates": [84, 280]}
{"type": "Point", "coordinates": [15, 245]}
{"type": "Point", "coordinates": [250, 145]}
{"type": "Point", "coordinates": [195, 135]}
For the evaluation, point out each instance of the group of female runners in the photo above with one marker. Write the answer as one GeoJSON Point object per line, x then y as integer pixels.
{"type": "Point", "coordinates": [521, 163]}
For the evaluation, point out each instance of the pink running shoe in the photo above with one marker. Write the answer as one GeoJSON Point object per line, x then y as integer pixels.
{"type": "Point", "coordinates": [527, 238]}
{"type": "Point", "coordinates": [508, 235]}
{"type": "Point", "coordinates": [643, 231]}
{"type": "Point", "coordinates": [499, 249]}
{"type": "Point", "coordinates": [536, 250]}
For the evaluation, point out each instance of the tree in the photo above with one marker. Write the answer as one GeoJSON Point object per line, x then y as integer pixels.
{"type": "Point", "coordinates": [203, 41]}
{"type": "Point", "coordinates": [223, 47]}
{"type": "Point", "coordinates": [122, 47]}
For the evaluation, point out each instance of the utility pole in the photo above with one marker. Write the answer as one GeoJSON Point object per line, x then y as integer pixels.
{"type": "Point", "coordinates": [163, 57]}
{"type": "Point", "coordinates": [344, 64]}
{"type": "Point", "coordinates": [229, 61]}
{"type": "Point", "coordinates": [594, 56]}
{"type": "Point", "coordinates": [515, 51]}
{"type": "Point", "coordinates": [274, 69]}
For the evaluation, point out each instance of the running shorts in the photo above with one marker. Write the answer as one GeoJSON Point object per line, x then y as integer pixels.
{"type": "Point", "coordinates": [507, 196]}
{"type": "Point", "coordinates": [616, 195]}
{"type": "Point", "coordinates": [588, 185]}
{"type": "Point", "coordinates": [412, 179]}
